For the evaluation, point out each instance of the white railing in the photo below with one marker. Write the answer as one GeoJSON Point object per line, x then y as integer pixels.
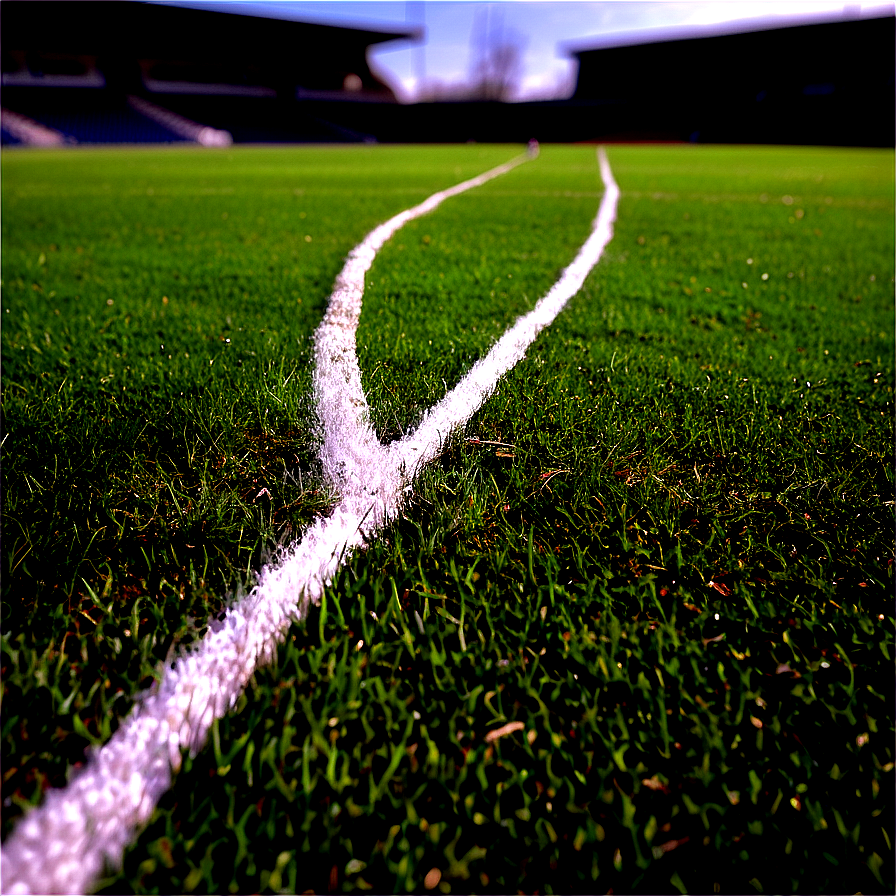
{"type": "Point", "coordinates": [179, 125]}
{"type": "Point", "coordinates": [31, 132]}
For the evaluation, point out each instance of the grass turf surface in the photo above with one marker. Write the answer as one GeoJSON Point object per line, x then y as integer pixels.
{"type": "Point", "coordinates": [675, 571]}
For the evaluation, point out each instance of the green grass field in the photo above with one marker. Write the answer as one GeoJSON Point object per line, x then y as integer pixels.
{"type": "Point", "coordinates": [675, 569]}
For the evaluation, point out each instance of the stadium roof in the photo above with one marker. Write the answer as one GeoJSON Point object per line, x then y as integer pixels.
{"type": "Point", "coordinates": [89, 26]}
{"type": "Point", "coordinates": [692, 32]}
{"type": "Point", "coordinates": [134, 47]}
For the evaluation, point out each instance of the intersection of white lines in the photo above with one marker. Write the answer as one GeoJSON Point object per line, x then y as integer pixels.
{"type": "Point", "coordinates": [61, 847]}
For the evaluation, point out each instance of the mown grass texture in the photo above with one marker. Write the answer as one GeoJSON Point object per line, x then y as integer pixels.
{"type": "Point", "coordinates": [664, 546]}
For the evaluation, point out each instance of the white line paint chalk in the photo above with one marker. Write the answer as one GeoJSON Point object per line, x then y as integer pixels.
{"type": "Point", "coordinates": [62, 846]}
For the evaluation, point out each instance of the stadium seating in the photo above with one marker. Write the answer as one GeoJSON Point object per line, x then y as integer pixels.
{"type": "Point", "coordinates": [85, 116]}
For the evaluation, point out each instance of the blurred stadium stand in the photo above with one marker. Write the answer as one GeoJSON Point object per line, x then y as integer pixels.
{"type": "Point", "coordinates": [821, 83]}
{"type": "Point", "coordinates": [77, 67]}
{"type": "Point", "coordinates": [118, 71]}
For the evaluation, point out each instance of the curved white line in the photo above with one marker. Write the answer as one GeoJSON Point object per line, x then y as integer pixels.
{"type": "Point", "coordinates": [468, 395]}
{"type": "Point", "coordinates": [348, 437]}
{"type": "Point", "coordinates": [61, 846]}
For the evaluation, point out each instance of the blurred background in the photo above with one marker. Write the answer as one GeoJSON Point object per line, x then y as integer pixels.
{"type": "Point", "coordinates": [213, 73]}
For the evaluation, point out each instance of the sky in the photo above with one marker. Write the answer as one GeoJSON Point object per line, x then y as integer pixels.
{"type": "Point", "coordinates": [542, 31]}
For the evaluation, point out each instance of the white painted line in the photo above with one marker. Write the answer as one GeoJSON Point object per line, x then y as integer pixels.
{"type": "Point", "coordinates": [350, 448]}
{"type": "Point", "coordinates": [467, 397]}
{"type": "Point", "coordinates": [61, 846]}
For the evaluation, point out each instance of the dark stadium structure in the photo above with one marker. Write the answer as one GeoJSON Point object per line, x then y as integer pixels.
{"type": "Point", "coordinates": [826, 83]}
{"type": "Point", "coordinates": [118, 71]}
{"type": "Point", "coordinates": [76, 67]}
{"type": "Point", "coordinates": [822, 83]}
